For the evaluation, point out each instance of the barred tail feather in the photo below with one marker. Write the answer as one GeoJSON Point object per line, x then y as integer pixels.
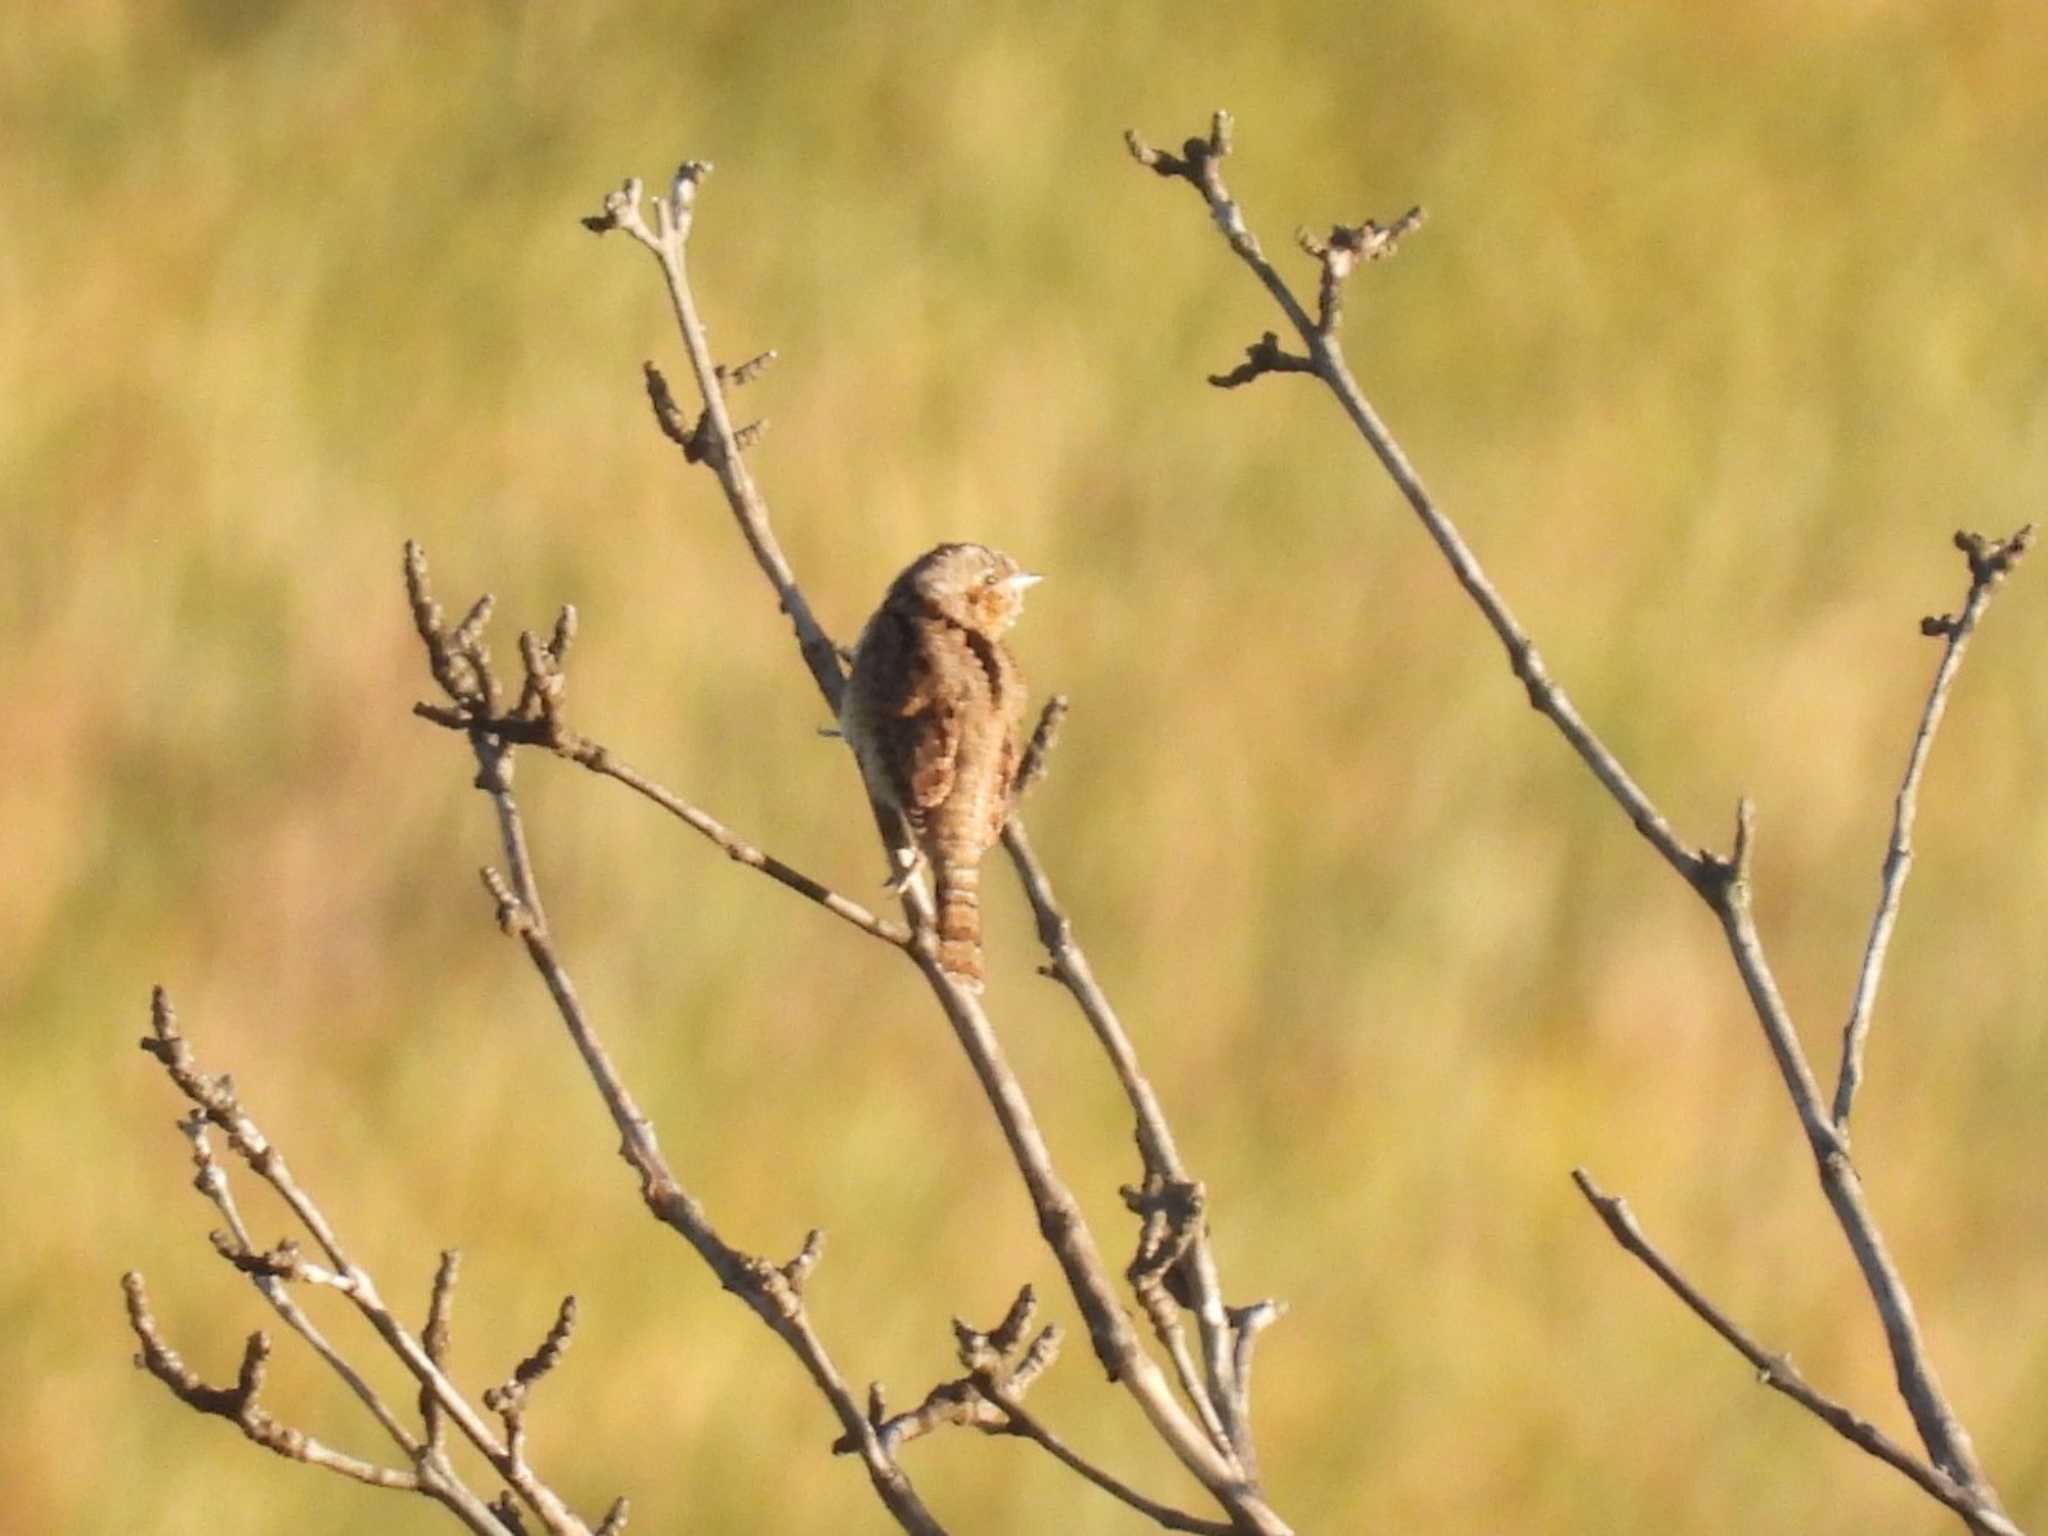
{"type": "Point", "coordinates": [959, 902]}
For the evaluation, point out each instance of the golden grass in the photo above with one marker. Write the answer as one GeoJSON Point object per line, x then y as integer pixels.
{"type": "Point", "coordinates": [1724, 319]}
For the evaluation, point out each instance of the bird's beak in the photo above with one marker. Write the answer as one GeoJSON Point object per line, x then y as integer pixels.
{"type": "Point", "coordinates": [1023, 579]}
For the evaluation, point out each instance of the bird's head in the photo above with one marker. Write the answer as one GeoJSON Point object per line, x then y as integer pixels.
{"type": "Point", "coordinates": [971, 585]}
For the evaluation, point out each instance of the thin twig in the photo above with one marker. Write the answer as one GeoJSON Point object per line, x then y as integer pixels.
{"type": "Point", "coordinates": [669, 239]}
{"type": "Point", "coordinates": [1778, 1373]}
{"type": "Point", "coordinates": [1246, 1324]}
{"type": "Point", "coordinates": [600, 759]}
{"type": "Point", "coordinates": [508, 1400]}
{"type": "Point", "coordinates": [1172, 1219]}
{"type": "Point", "coordinates": [1989, 562]}
{"type": "Point", "coordinates": [715, 442]}
{"type": "Point", "coordinates": [1001, 1354]}
{"type": "Point", "coordinates": [1222, 1402]}
{"type": "Point", "coordinates": [539, 719]}
{"type": "Point", "coordinates": [435, 1339]}
{"type": "Point", "coordinates": [1031, 768]}
{"type": "Point", "coordinates": [1021, 1421]}
{"type": "Point", "coordinates": [238, 1403]}
{"type": "Point", "coordinates": [1000, 1370]}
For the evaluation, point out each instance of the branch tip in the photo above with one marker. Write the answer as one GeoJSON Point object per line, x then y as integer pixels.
{"type": "Point", "coordinates": [798, 1269]}
{"type": "Point", "coordinates": [745, 373]}
{"type": "Point", "coordinates": [511, 913]}
{"type": "Point", "coordinates": [1263, 356]}
{"type": "Point", "coordinates": [512, 1392]}
{"type": "Point", "coordinates": [1031, 768]}
{"type": "Point", "coordinates": [689, 176]}
{"type": "Point", "coordinates": [1991, 560]}
{"type": "Point", "coordinates": [1745, 831]}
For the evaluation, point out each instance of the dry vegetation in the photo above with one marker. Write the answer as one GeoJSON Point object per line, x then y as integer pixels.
{"type": "Point", "coordinates": [1721, 328]}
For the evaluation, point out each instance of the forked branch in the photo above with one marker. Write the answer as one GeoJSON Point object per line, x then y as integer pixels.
{"type": "Point", "coordinates": [460, 660]}
{"type": "Point", "coordinates": [274, 1271]}
{"type": "Point", "coordinates": [539, 719]}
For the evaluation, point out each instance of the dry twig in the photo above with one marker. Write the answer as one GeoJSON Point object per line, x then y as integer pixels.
{"type": "Point", "coordinates": [1989, 561]}
{"type": "Point", "coordinates": [990, 1398]}
{"type": "Point", "coordinates": [1779, 1374]}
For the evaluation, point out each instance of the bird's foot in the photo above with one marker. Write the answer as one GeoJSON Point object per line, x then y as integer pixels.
{"type": "Point", "coordinates": [908, 862]}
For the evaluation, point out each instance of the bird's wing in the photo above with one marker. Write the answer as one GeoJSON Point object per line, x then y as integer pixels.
{"type": "Point", "coordinates": [918, 714]}
{"type": "Point", "coordinates": [927, 725]}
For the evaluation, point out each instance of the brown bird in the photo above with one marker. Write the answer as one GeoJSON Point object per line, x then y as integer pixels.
{"type": "Point", "coordinates": [934, 711]}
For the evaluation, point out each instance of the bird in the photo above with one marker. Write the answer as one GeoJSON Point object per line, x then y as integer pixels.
{"type": "Point", "coordinates": [934, 711]}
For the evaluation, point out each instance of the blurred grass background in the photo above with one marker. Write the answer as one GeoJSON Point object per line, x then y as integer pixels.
{"type": "Point", "coordinates": [1726, 316]}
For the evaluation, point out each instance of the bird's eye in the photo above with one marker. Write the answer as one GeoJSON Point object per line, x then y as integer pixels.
{"type": "Point", "coordinates": [990, 578]}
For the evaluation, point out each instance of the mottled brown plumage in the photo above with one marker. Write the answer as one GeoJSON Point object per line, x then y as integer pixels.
{"type": "Point", "coordinates": [934, 711]}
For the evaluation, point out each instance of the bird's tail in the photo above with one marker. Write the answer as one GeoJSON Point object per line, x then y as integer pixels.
{"type": "Point", "coordinates": [956, 874]}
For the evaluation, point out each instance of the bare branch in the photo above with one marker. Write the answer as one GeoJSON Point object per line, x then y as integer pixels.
{"type": "Point", "coordinates": [1727, 889]}
{"type": "Point", "coordinates": [539, 721]}
{"type": "Point", "coordinates": [1173, 1217]}
{"type": "Point", "coordinates": [238, 1404]}
{"type": "Point", "coordinates": [1018, 1420]}
{"type": "Point", "coordinates": [999, 1352]}
{"type": "Point", "coordinates": [990, 1399]}
{"type": "Point", "coordinates": [1059, 1215]}
{"type": "Point", "coordinates": [1246, 1324]}
{"type": "Point", "coordinates": [435, 1340]}
{"type": "Point", "coordinates": [600, 760]}
{"type": "Point", "coordinates": [1989, 562]}
{"type": "Point", "coordinates": [1073, 1245]}
{"type": "Point", "coordinates": [1220, 1404]}
{"type": "Point", "coordinates": [269, 1271]}
{"type": "Point", "coordinates": [1723, 883]}
{"type": "Point", "coordinates": [1340, 255]}
{"type": "Point", "coordinates": [508, 1400]}
{"type": "Point", "coordinates": [721, 445]}
{"type": "Point", "coordinates": [773, 1294]}
{"type": "Point", "coordinates": [272, 1270]}
{"type": "Point", "coordinates": [1778, 1373]}
{"type": "Point", "coordinates": [1201, 166]}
